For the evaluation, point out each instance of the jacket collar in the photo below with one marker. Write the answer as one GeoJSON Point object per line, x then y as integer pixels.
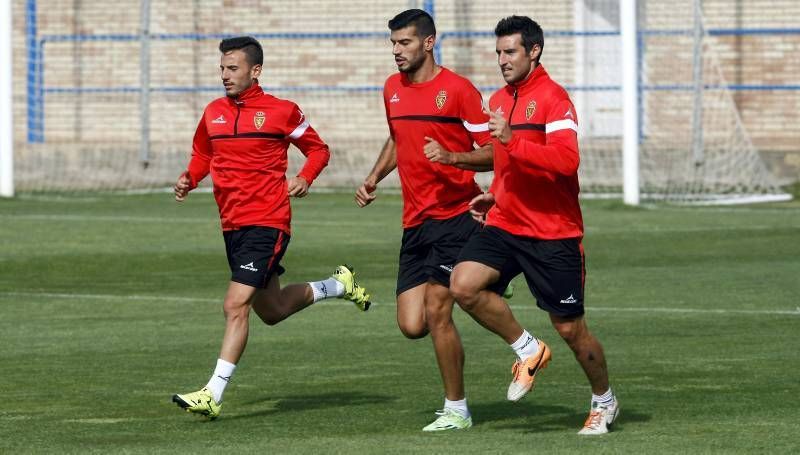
{"type": "Point", "coordinates": [537, 75]}
{"type": "Point", "coordinates": [252, 92]}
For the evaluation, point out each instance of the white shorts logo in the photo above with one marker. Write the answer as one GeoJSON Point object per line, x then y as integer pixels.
{"type": "Point", "coordinates": [249, 267]}
{"type": "Point", "coordinates": [569, 299]}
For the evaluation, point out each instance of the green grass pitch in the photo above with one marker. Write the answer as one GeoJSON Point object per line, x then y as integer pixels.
{"type": "Point", "coordinates": [109, 304]}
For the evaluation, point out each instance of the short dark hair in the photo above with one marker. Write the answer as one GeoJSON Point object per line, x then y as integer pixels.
{"type": "Point", "coordinates": [416, 17]}
{"type": "Point", "coordinates": [247, 44]}
{"type": "Point", "coordinates": [530, 31]}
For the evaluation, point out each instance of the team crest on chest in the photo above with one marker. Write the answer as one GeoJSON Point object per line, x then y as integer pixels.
{"type": "Point", "coordinates": [530, 110]}
{"type": "Point", "coordinates": [258, 119]}
{"type": "Point", "coordinates": [441, 98]}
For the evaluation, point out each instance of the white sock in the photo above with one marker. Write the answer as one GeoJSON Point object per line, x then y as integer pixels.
{"type": "Point", "coordinates": [219, 380]}
{"type": "Point", "coordinates": [606, 399]}
{"type": "Point", "coordinates": [326, 289]}
{"type": "Point", "coordinates": [525, 346]}
{"type": "Point", "coordinates": [460, 406]}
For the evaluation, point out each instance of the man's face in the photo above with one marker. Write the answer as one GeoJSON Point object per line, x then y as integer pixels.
{"type": "Point", "coordinates": [514, 62]}
{"type": "Point", "coordinates": [409, 49]}
{"type": "Point", "coordinates": [237, 74]}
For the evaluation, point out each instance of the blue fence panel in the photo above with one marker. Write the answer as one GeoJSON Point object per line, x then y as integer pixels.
{"type": "Point", "coordinates": [36, 46]}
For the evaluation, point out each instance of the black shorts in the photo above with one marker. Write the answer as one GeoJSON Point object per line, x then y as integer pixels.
{"type": "Point", "coordinates": [254, 254]}
{"type": "Point", "coordinates": [554, 269]}
{"type": "Point", "coordinates": [429, 251]}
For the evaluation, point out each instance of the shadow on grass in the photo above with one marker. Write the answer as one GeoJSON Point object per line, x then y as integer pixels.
{"type": "Point", "coordinates": [301, 403]}
{"type": "Point", "coordinates": [542, 418]}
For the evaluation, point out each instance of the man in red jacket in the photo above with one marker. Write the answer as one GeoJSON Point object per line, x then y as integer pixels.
{"type": "Point", "coordinates": [533, 221]}
{"type": "Point", "coordinates": [242, 141]}
{"type": "Point", "coordinates": [435, 119]}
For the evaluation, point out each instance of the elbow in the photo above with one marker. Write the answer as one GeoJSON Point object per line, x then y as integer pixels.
{"type": "Point", "coordinates": [320, 156]}
{"type": "Point", "coordinates": [570, 166]}
{"type": "Point", "coordinates": [325, 157]}
{"type": "Point", "coordinates": [322, 153]}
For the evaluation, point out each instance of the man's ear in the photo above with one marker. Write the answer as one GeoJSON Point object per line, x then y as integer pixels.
{"type": "Point", "coordinates": [536, 52]}
{"type": "Point", "coordinates": [429, 42]}
{"type": "Point", "coordinates": [255, 71]}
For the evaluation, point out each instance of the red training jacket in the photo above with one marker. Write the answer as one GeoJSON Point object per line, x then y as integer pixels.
{"type": "Point", "coordinates": [243, 143]}
{"type": "Point", "coordinates": [536, 174]}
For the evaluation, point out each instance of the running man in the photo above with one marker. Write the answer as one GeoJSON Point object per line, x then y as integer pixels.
{"type": "Point", "coordinates": [435, 117]}
{"type": "Point", "coordinates": [533, 221]}
{"type": "Point", "coordinates": [242, 140]}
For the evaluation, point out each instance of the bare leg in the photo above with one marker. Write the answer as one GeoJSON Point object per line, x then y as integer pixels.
{"type": "Point", "coordinates": [588, 350]}
{"type": "Point", "coordinates": [468, 283]}
{"type": "Point", "coordinates": [273, 304]}
{"type": "Point", "coordinates": [411, 312]}
{"type": "Point", "coordinates": [446, 341]}
{"type": "Point", "coordinates": [237, 311]}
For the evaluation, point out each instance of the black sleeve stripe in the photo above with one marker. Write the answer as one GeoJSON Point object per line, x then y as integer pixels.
{"type": "Point", "coordinates": [248, 136]}
{"type": "Point", "coordinates": [529, 126]}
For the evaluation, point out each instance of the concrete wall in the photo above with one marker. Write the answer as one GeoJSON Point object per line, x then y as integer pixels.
{"type": "Point", "coordinates": [101, 130]}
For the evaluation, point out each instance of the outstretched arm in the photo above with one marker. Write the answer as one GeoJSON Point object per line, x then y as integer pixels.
{"type": "Point", "coordinates": [384, 165]}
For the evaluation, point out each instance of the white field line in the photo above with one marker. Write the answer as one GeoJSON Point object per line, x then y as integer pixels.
{"type": "Point", "coordinates": [162, 298]}
{"type": "Point", "coordinates": [108, 218]}
{"type": "Point", "coordinates": [207, 190]}
{"type": "Point", "coordinates": [151, 220]}
{"type": "Point", "coordinates": [195, 220]}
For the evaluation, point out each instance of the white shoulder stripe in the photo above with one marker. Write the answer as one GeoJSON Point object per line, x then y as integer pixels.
{"type": "Point", "coordinates": [301, 128]}
{"type": "Point", "coordinates": [476, 127]}
{"type": "Point", "coordinates": [566, 124]}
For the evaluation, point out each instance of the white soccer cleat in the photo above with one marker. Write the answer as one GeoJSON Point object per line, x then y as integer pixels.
{"type": "Point", "coordinates": [449, 420]}
{"type": "Point", "coordinates": [600, 418]}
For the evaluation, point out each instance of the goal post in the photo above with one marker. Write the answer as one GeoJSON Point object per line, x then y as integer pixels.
{"type": "Point", "coordinates": [6, 103]}
{"type": "Point", "coordinates": [630, 101]}
{"type": "Point", "coordinates": [683, 138]}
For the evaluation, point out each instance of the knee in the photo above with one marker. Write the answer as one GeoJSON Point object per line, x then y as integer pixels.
{"type": "Point", "coordinates": [567, 332]}
{"type": "Point", "coordinates": [269, 319]}
{"type": "Point", "coordinates": [573, 332]}
{"type": "Point", "coordinates": [235, 310]}
{"type": "Point", "coordinates": [413, 331]}
{"type": "Point", "coordinates": [465, 293]}
{"type": "Point", "coordinates": [269, 312]}
{"type": "Point", "coordinates": [437, 316]}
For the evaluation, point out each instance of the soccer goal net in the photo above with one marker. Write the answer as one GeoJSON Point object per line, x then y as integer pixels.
{"type": "Point", "coordinates": [109, 97]}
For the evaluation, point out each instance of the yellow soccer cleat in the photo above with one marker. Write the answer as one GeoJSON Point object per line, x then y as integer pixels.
{"type": "Point", "coordinates": [200, 402]}
{"type": "Point", "coordinates": [525, 371]}
{"type": "Point", "coordinates": [352, 290]}
{"type": "Point", "coordinates": [508, 292]}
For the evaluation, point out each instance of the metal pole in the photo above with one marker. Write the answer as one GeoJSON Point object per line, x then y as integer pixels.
{"type": "Point", "coordinates": [630, 111]}
{"type": "Point", "coordinates": [697, 75]}
{"type": "Point", "coordinates": [144, 78]}
{"type": "Point", "coordinates": [429, 6]}
{"type": "Point", "coordinates": [6, 99]}
{"type": "Point", "coordinates": [35, 75]}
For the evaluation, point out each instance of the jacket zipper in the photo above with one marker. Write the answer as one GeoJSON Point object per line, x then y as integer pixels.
{"type": "Point", "coordinates": [512, 108]}
{"type": "Point", "coordinates": [236, 122]}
